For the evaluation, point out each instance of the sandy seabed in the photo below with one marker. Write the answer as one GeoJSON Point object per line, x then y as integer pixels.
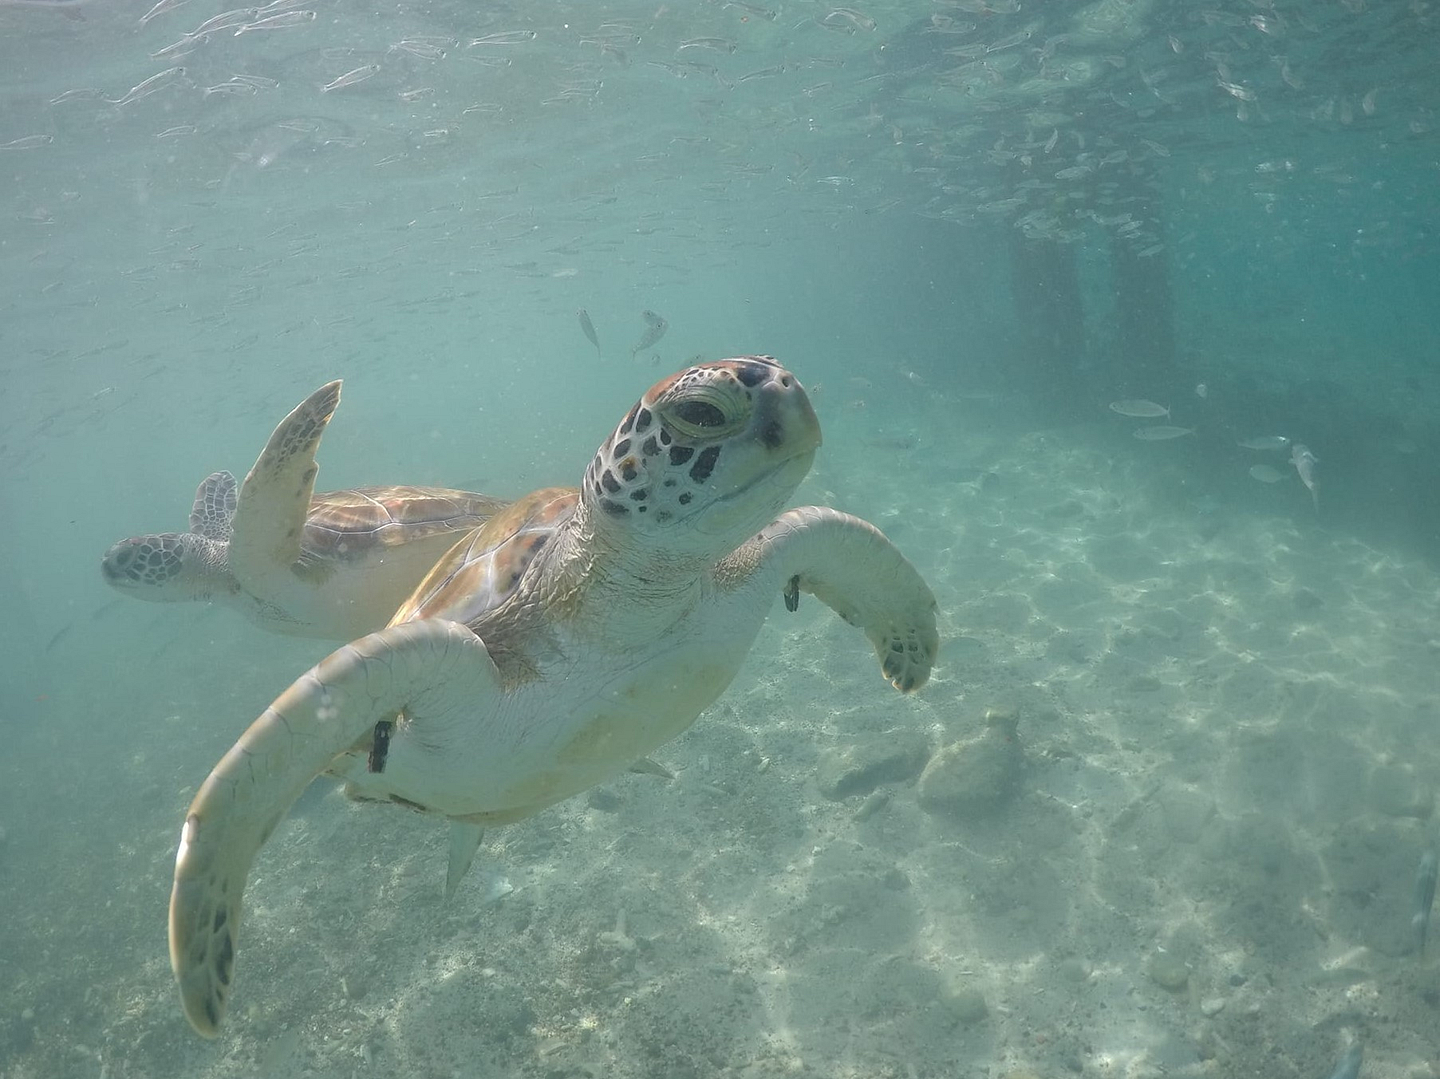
{"type": "Point", "coordinates": [1199, 859]}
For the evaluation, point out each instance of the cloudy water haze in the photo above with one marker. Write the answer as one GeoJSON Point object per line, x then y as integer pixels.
{"type": "Point", "coordinates": [1120, 320]}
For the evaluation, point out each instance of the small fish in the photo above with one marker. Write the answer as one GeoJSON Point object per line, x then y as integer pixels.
{"type": "Point", "coordinates": [160, 9]}
{"type": "Point", "coordinates": [1266, 474]}
{"type": "Point", "coordinates": [504, 37]}
{"type": "Point", "coordinates": [149, 86]}
{"type": "Point", "coordinates": [1304, 462]}
{"type": "Point", "coordinates": [761, 12]}
{"type": "Point", "coordinates": [28, 142]}
{"type": "Point", "coordinates": [225, 20]}
{"type": "Point", "coordinates": [1139, 409]}
{"type": "Point", "coordinates": [350, 78]}
{"type": "Point", "coordinates": [85, 94]}
{"type": "Point", "coordinates": [183, 47]}
{"type": "Point", "coordinates": [588, 328]}
{"type": "Point", "coordinates": [71, 9]}
{"type": "Point", "coordinates": [646, 765]}
{"type": "Point", "coordinates": [494, 887]}
{"type": "Point", "coordinates": [425, 50]}
{"type": "Point", "coordinates": [233, 87]}
{"type": "Point", "coordinates": [1264, 442]}
{"type": "Point", "coordinates": [107, 608]}
{"type": "Point", "coordinates": [59, 636]}
{"type": "Point", "coordinates": [715, 44]}
{"type": "Point", "coordinates": [1349, 1066]}
{"type": "Point", "coordinates": [657, 329]}
{"type": "Point", "coordinates": [283, 21]}
{"type": "Point", "coordinates": [1424, 899]}
{"type": "Point", "coordinates": [1160, 434]}
{"type": "Point", "coordinates": [847, 19]}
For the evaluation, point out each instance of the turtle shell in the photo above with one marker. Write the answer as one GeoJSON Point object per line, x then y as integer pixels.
{"type": "Point", "coordinates": [353, 525]}
{"type": "Point", "coordinates": [486, 568]}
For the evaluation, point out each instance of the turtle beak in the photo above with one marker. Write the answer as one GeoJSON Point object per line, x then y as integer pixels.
{"type": "Point", "coordinates": [115, 561]}
{"type": "Point", "coordinates": [785, 420]}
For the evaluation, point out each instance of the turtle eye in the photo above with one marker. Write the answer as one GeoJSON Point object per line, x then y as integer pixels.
{"type": "Point", "coordinates": [698, 414]}
{"type": "Point", "coordinates": [705, 416]}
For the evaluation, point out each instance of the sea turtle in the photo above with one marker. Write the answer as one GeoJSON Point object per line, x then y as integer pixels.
{"type": "Point", "coordinates": [335, 564]}
{"type": "Point", "coordinates": [560, 642]}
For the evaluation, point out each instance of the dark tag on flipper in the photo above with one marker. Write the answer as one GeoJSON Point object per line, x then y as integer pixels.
{"type": "Point", "coordinates": [380, 746]}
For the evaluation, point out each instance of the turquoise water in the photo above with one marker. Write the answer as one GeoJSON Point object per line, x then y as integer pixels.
{"type": "Point", "coordinates": [967, 228]}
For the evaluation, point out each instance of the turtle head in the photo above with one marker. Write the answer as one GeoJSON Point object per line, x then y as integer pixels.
{"type": "Point", "coordinates": [705, 459]}
{"type": "Point", "coordinates": [168, 567]}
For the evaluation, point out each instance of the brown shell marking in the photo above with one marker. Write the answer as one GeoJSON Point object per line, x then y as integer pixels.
{"type": "Point", "coordinates": [354, 524]}
{"type": "Point", "coordinates": [484, 570]}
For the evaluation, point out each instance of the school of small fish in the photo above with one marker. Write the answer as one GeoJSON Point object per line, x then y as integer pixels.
{"type": "Point", "coordinates": [1302, 459]}
{"type": "Point", "coordinates": [1064, 97]}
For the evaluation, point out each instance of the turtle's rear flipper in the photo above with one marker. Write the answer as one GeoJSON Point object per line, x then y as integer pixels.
{"type": "Point", "coordinates": [433, 668]}
{"type": "Point", "coordinates": [464, 842]}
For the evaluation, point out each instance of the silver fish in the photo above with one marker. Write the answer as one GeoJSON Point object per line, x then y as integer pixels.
{"type": "Point", "coordinates": [657, 329]}
{"type": "Point", "coordinates": [149, 86]}
{"type": "Point", "coordinates": [350, 78]}
{"type": "Point", "coordinates": [1424, 899]}
{"type": "Point", "coordinates": [504, 37]}
{"type": "Point", "coordinates": [77, 95]}
{"type": "Point", "coordinates": [1160, 434]}
{"type": "Point", "coordinates": [1304, 462]}
{"type": "Point", "coordinates": [27, 142]}
{"type": "Point", "coordinates": [847, 19]}
{"type": "Point", "coordinates": [225, 20]}
{"type": "Point", "coordinates": [588, 328]}
{"type": "Point", "coordinates": [1139, 409]}
{"type": "Point", "coordinates": [764, 13]}
{"type": "Point", "coordinates": [160, 9]}
{"type": "Point", "coordinates": [716, 44]}
{"type": "Point", "coordinates": [183, 47]}
{"type": "Point", "coordinates": [284, 21]}
{"type": "Point", "coordinates": [1264, 442]}
{"type": "Point", "coordinates": [1349, 1066]}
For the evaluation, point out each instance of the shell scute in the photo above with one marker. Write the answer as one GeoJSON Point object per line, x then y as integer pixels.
{"type": "Point", "coordinates": [489, 566]}
{"type": "Point", "coordinates": [354, 524]}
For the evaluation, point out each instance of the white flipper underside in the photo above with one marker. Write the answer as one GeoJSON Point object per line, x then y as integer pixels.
{"type": "Point", "coordinates": [274, 500]}
{"type": "Point", "coordinates": [851, 567]}
{"type": "Point", "coordinates": [431, 669]}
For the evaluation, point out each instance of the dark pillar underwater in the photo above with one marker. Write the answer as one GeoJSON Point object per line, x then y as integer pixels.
{"type": "Point", "coordinates": [1144, 360]}
{"type": "Point", "coordinates": [1050, 325]}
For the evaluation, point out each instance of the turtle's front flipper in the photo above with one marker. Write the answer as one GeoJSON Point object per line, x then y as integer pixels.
{"type": "Point", "coordinates": [851, 567]}
{"type": "Point", "coordinates": [274, 500]}
{"type": "Point", "coordinates": [434, 668]}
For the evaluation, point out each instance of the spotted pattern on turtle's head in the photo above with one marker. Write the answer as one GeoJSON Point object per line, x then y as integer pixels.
{"type": "Point", "coordinates": [144, 561]}
{"type": "Point", "coordinates": [165, 567]}
{"type": "Point", "coordinates": [700, 443]}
